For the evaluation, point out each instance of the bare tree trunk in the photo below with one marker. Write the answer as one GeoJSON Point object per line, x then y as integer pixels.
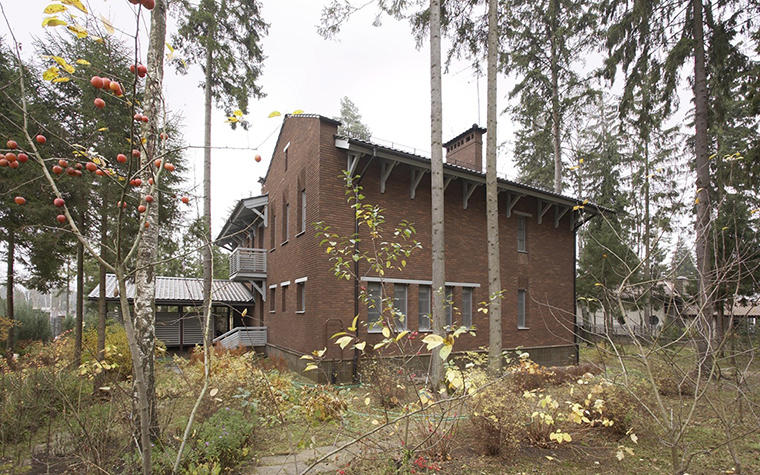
{"type": "Point", "coordinates": [145, 278]}
{"type": "Point", "coordinates": [102, 305]}
{"type": "Point", "coordinates": [705, 325]}
{"type": "Point", "coordinates": [436, 179]}
{"type": "Point", "coordinates": [207, 255]}
{"type": "Point", "coordinates": [492, 198]}
{"type": "Point", "coordinates": [80, 297]}
{"type": "Point", "coordinates": [9, 285]}
{"type": "Point", "coordinates": [555, 100]}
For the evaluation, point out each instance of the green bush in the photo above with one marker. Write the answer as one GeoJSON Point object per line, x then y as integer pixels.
{"type": "Point", "coordinates": [34, 325]}
{"type": "Point", "coordinates": [499, 416]}
{"type": "Point", "coordinates": [223, 437]}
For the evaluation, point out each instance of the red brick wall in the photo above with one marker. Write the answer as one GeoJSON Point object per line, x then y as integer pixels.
{"type": "Point", "coordinates": [546, 271]}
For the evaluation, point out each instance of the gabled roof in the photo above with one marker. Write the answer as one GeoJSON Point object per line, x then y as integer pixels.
{"type": "Point", "coordinates": [389, 152]}
{"type": "Point", "coordinates": [246, 212]}
{"type": "Point", "coordinates": [177, 290]}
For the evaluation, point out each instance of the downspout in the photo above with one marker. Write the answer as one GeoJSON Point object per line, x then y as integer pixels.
{"type": "Point", "coordinates": [575, 298]}
{"type": "Point", "coordinates": [355, 359]}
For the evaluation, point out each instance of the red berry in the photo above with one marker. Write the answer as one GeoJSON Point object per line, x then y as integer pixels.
{"type": "Point", "coordinates": [144, 119]}
{"type": "Point", "coordinates": [3, 162]}
{"type": "Point", "coordinates": [99, 172]}
{"type": "Point", "coordinates": [57, 169]}
{"type": "Point", "coordinates": [257, 158]}
{"type": "Point", "coordinates": [61, 218]}
{"type": "Point", "coordinates": [13, 164]}
{"type": "Point", "coordinates": [148, 199]}
{"type": "Point", "coordinates": [157, 162]}
{"type": "Point", "coordinates": [11, 157]}
{"type": "Point", "coordinates": [99, 103]}
{"type": "Point", "coordinates": [22, 157]}
{"type": "Point", "coordinates": [131, 68]}
{"type": "Point", "coordinates": [12, 144]}
{"type": "Point", "coordinates": [78, 166]}
{"type": "Point", "coordinates": [106, 83]}
{"type": "Point", "coordinates": [97, 82]}
{"type": "Point", "coordinates": [63, 163]}
{"type": "Point", "coordinates": [138, 117]}
{"type": "Point", "coordinates": [59, 202]}
{"type": "Point", "coordinates": [121, 158]}
{"type": "Point", "coordinates": [136, 153]}
{"type": "Point", "coordinates": [185, 199]}
{"type": "Point", "coordinates": [40, 139]}
{"type": "Point", "coordinates": [142, 70]}
{"type": "Point", "coordinates": [137, 181]}
{"type": "Point", "coordinates": [149, 4]}
{"type": "Point", "coordinates": [20, 200]}
{"type": "Point", "coordinates": [150, 181]}
{"type": "Point", "coordinates": [169, 167]}
{"type": "Point", "coordinates": [91, 167]}
{"type": "Point", "coordinates": [115, 88]}
{"type": "Point", "coordinates": [141, 208]}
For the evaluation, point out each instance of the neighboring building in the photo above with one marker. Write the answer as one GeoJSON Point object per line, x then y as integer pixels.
{"type": "Point", "coordinates": [302, 304]}
{"type": "Point", "coordinates": [179, 301]}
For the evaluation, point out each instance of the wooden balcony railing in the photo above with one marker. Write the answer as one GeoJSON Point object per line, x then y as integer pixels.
{"type": "Point", "coordinates": [248, 262]}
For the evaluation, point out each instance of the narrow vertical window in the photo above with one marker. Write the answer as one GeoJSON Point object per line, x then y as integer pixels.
{"type": "Point", "coordinates": [303, 210]}
{"type": "Point", "coordinates": [272, 297]}
{"type": "Point", "coordinates": [301, 296]}
{"type": "Point", "coordinates": [521, 234]}
{"type": "Point", "coordinates": [467, 307]}
{"type": "Point", "coordinates": [423, 308]}
{"type": "Point", "coordinates": [399, 306]}
{"type": "Point", "coordinates": [374, 307]}
{"type": "Point", "coordinates": [286, 222]}
{"type": "Point", "coordinates": [284, 293]}
{"type": "Point", "coordinates": [449, 305]}
{"type": "Point", "coordinates": [521, 309]}
{"type": "Point", "coordinates": [273, 226]}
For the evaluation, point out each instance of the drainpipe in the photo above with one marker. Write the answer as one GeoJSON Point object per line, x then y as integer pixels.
{"type": "Point", "coordinates": [355, 360]}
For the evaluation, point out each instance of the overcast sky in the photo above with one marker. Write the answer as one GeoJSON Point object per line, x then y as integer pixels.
{"type": "Point", "coordinates": [378, 68]}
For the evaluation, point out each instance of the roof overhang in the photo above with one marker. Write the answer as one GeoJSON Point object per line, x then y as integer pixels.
{"type": "Point", "coordinates": [180, 291]}
{"type": "Point", "coordinates": [584, 209]}
{"type": "Point", "coordinates": [246, 214]}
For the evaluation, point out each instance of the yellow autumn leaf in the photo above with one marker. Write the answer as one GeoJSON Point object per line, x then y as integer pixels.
{"type": "Point", "coordinates": [402, 335]}
{"type": "Point", "coordinates": [53, 21]}
{"type": "Point", "coordinates": [445, 351]}
{"type": "Point", "coordinates": [102, 129]}
{"type": "Point", "coordinates": [54, 8]}
{"type": "Point", "coordinates": [61, 79]}
{"type": "Point", "coordinates": [344, 341]}
{"type": "Point", "coordinates": [107, 25]}
{"type": "Point", "coordinates": [51, 74]}
{"type": "Point", "coordinates": [307, 357]}
{"type": "Point", "coordinates": [432, 341]}
{"type": "Point", "coordinates": [297, 112]}
{"type": "Point", "coordinates": [352, 328]}
{"type": "Point", "coordinates": [244, 313]}
{"type": "Point", "coordinates": [80, 31]}
{"type": "Point", "coordinates": [83, 62]}
{"type": "Point", "coordinates": [360, 346]}
{"type": "Point", "coordinates": [274, 114]}
{"type": "Point", "coordinates": [386, 332]}
{"type": "Point", "coordinates": [367, 401]}
{"type": "Point", "coordinates": [76, 4]}
{"type": "Point", "coordinates": [311, 367]}
{"type": "Point", "coordinates": [213, 392]}
{"type": "Point", "coordinates": [238, 113]}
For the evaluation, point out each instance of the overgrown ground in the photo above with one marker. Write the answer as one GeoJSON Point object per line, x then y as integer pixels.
{"type": "Point", "coordinates": [583, 420]}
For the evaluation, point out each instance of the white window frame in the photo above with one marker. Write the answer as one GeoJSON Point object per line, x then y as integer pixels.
{"type": "Point", "coordinates": [303, 210]}
{"type": "Point", "coordinates": [521, 309]}
{"type": "Point", "coordinates": [449, 305]}
{"type": "Point", "coordinates": [423, 308]}
{"type": "Point", "coordinates": [374, 307]}
{"type": "Point", "coordinates": [400, 299]}
{"type": "Point", "coordinates": [522, 226]}
{"type": "Point", "coordinates": [467, 307]}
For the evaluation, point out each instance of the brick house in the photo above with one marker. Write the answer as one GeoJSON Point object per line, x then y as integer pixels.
{"type": "Point", "coordinates": [302, 303]}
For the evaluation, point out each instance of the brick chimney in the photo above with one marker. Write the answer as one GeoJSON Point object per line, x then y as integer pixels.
{"type": "Point", "coordinates": [466, 149]}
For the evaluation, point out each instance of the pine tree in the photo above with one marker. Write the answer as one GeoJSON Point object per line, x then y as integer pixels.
{"type": "Point", "coordinates": [351, 121]}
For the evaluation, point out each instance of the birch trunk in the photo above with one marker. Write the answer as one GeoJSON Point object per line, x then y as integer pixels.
{"type": "Point", "coordinates": [492, 199]}
{"type": "Point", "coordinates": [145, 278]}
{"type": "Point", "coordinates": [207, 255]}
{"type": "Point", "coordinates": [436, 179]}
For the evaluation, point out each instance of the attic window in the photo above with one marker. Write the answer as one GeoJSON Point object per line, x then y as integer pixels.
{"type": "Point", "coordinates": [468, 138]}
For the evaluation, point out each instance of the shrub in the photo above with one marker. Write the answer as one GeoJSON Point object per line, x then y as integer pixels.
{"type": "Point", "coordinates": [322, 403]}
{"type": "Point", "coordinates": [499, 416]}
{"type": "Point", "coordinates": [387, 381]}
{"type": "Point", "coordinates": [529, 375]}
{"type": "Point", "coordinates": [222, 437]}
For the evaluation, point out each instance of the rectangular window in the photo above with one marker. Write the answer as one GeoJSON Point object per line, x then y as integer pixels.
{"type": "Point", "coordinates": [449, 304]}
{"type": "Point", "coordinates": [374, 307]}
{"type": "Point", "coordinates": [521, 223]}
{"type": "Point", "coordinates": [272, 226]}
{"type": "Point", "coordinates": [303, 211]}
{"type": "Point", "coordinates": [286, 222]}
{"type": "Point", "coordinates": [467, 307]}
{"type": "Point", "coordinates": [423, 308]}
{"type": "Point", "coordinates": [284, 292]}
{"type": "Point", "coordinates": [521, 309]}
{"type": "Point", "coordinates": [272, 297]}
{"type": "Point", "coordinates": [301, 296]}
{"type": "Point", "coordinates": [399, 306]}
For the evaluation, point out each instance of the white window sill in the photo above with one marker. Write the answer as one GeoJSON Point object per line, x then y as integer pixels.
{"type": "Point", "coordinates": [273, 311]}
{"type": "Point", "coordinates": [284, 242]}
{"type": "Point", "coordinates": [300, 311]}
{"type": "Point", "coordinates": [301, 233]}
{"type": "Point", "coordinates": [523, 328]}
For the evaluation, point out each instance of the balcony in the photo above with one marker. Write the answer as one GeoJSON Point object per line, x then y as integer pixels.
{"type": "Point", "coordinates": [248, 263]}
